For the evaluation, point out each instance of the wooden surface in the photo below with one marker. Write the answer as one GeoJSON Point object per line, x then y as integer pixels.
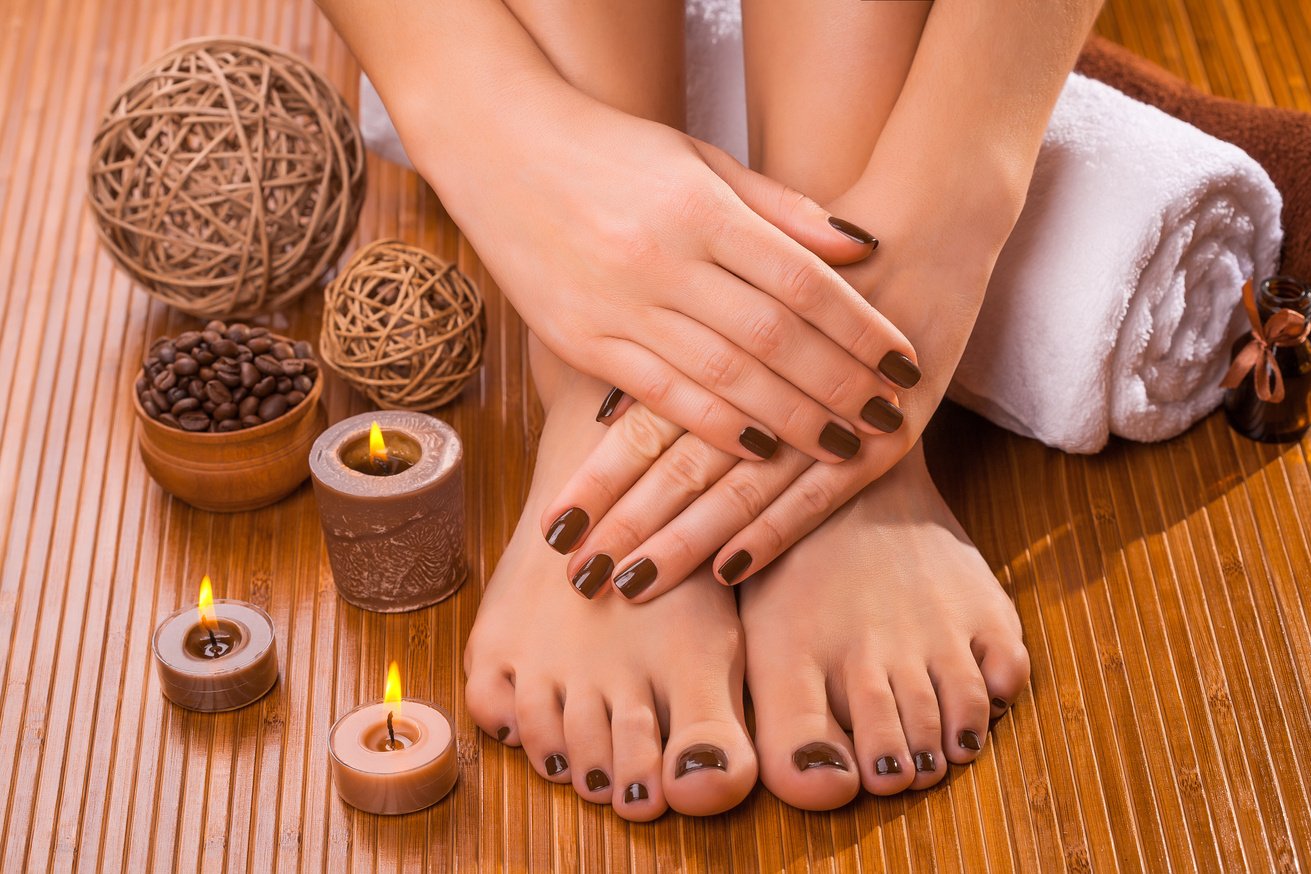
{"type": "Point", "coordinates": [1163, 588]}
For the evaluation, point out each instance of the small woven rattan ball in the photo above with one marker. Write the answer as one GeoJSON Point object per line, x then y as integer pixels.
{"type": "Point", "coordinates": [403, 327]}
{"type": "Point", "coordinates": [227, 177]}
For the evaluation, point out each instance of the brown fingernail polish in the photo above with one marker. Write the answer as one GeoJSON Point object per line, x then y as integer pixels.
{"type": "Point", "coordinates": [882, 414]}
{"type": "Point", "coordinates": [818, 755]}
{"type": "Point", "coordinates": [758, 441]}
{"type": "Point", "coordinates": [566, 531]}
{"type": "Point", "coordinates": [596, 780]}
{"type": "Point", "coordinates": [735, 566]}
{"type": "Point", "coordinates": [1000, 703]}
{"type": "Point", "coordinates": [634, 793]}
{"type": "Point", "coordinates": [609, 405]}
{"type": "Point", "coordinates": [839, 441]}
{"type": "Point", "coordinates": [592, 575]}
{"type": "Point", "coordinates": [502, 733]}
{"type": "Point", "coordinates": [556, 764]}
{"type": "Point", "coordinates": [969, 740]}
{"type": "Point", "coordinates": [699, 757]}
{"type": "Point", "coordinates": [900, 369]}
{"type": "Point", "coordinates": [855, 232]}
{"type": "Point", "coordinates": [924, 762]}
{"type": "Point", "coordinates": [636, 578]}
{"type": "Point", "coordinates": [886, 765]}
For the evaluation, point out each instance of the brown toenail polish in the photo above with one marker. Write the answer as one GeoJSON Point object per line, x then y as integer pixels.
{"type": "Point", "coordinates": [556, 764]}
{"type": "Point", "coordinates": [592, 575]}
{"type": "Point", "coordinates": [900, 369]}
{"type": "Point", "coordinates": [839, 441]}
{"type": "Point", "coordinates": [855, 232]}
{"type": "Point", "coordinates": [1000, 703]}
{"type": "Point", "coordinates": [502, 733]}
{"type": "Point", "coordinates": [735, 566]}
{"type": "Point", "coordinates": [699, 757]}
{"type": "Point", "coordinates": [609, 405]}
{"type": "Point", "coordinates": [758, 441]}
{"type": "Point", "coordinates": [636, 578]}
{"type": "Point", "coordinates": [565, 532]}
{"type": "Point", "coordinates": [924, 762]}
{"type": "Point", "coordinates": [969, 740]}
{"type": "Point", "coordinates": [886, 765]}
{"type": "Point", "coordinates": [634, 793]}
{"type": "Point", "coordinates": [818, 755]}
{"type": "Point", "coordinates": [596, 780]}
{"type": "Point", "coordinates": [882, 414]}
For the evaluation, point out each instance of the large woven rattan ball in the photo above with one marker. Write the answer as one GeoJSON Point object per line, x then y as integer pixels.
{"type": "Point", "coordinates": [227, 177]}
{"type": "Point", "coordinates": [403, 327]}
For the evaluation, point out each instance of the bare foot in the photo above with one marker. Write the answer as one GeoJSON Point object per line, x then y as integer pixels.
{"type": "Point", "coordinates": [886, 623]}
{"type": "Point", "coordinates": [592, 689]}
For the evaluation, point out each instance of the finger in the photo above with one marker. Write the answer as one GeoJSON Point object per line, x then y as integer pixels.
{"type": "Point", "coordinates": [835, 240]}
{"type": "Point", "coordinates": [728, 372]}
{"type": "Point", "coordinates": [614, 405]}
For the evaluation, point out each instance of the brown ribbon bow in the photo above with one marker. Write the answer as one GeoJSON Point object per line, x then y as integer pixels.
{"type": "Point", "coordinates": [1285, 328]}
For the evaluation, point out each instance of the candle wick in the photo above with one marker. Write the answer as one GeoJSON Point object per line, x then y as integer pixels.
{"type": "Point", "coordinates": [391, 733]}
{"type": "Point", "coordinates": [213, 641]}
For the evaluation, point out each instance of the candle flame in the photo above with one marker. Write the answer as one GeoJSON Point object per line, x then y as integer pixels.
{"type": "Point", "coordinates": [377, 447]}
{"type": "Point", "coordinates": [205, 605]}
{"type": "Point", "coordinates": [392, 691]}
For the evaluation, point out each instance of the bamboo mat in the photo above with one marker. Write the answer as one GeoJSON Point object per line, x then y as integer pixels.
{"type": "Point", "coordinates": [1163, 588]}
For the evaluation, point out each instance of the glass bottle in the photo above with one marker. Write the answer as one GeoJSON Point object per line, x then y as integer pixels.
{"type": "Point", "coordinates": [1287, 420]}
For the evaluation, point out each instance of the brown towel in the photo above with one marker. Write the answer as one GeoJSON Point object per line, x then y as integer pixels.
{"type": "Point", "coordinates": [1279, 139]}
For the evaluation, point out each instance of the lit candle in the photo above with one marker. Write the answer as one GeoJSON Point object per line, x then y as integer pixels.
{"type": "Point", "coordinates": [218, 655]}
{"type": "Point", "coordinates": [394, 756]}
{"type": "Point", "coordinates": [390, 490]}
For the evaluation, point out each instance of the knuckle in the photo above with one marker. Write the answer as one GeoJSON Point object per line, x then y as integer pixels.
{"type": "Point", "coordinates": [814, 497]}
{"type": "Point", "coordinates": [792, 417]}
{"type": "Point", "coordinates": [804, 285]}
{"type": "Point", "coordinates": [767, 333]}
{"type": "Point", "coordinates": [641, 435]}
{"type": "Point", "coordinates": [598, 485]}
{"type": "Point", "coordinates": [722, 368]}
{"type": "Point", "coordinates": [657, 388]}
{"type": "Point", "coordinates": [870, 340]}
{"type": "Point", "coordinates": [618, 530]}
{"type": "Point", "coordinates": [769, 534]}
{"type": "Point", "coordinates": [634, 722]}
{"type": "Point", "coordinates": [745, 494]}
{"type": "Point", "coordinates": [685, 472]}
{"type": "Point", "coordinates": [837, 392]}
{"type": "Point", "coordinates": [792, 202]}
{"type": "Point", "coordinates": [678, 546]}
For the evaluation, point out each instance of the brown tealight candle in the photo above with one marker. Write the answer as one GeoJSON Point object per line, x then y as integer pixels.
{"type": "Point", "coordinates": [390, 490]}
{"type": "Point", "coordinates": [218, 655]}
{"type": "Point", "coordinates": [394, 756]}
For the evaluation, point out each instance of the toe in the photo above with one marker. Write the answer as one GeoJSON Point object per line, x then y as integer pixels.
{"type": "Point", "coordinates": [917, 709]}
{"type": "Point", "coordinates": [1004, 664]}
{"type": "Point", "coordinates": [489, 695]}
{"type": "Point", "coordinates": [587, 738]}
{"type": "Point", "coordinates": [963, 706]}
{"type": "Point", "coordinates": [709, 763]}
{"type": "Point", "coordinates": [538, 710]}
{"type": "Point", "coordinates": [881, 752]}
{"type": "Point", "coordinates": [806, 758]}
{"type": "Point", "coordinates": [638, 793]}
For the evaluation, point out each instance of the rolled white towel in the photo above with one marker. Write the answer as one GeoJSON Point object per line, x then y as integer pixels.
{"type": "Point", "coordinates": [1113, 303]}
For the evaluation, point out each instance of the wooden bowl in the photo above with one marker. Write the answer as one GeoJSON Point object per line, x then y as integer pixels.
{"type": "Point", "coordinates": [239, 470]}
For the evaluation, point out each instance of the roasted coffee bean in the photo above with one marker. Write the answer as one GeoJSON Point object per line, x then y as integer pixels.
{"type": "Point", "coordinates": [284, 384]}
{"type": "Point", "coordinates": [251, 421]}
{"type": "Point", "coordinates": [196, 389]}
{"type": "Point", "coordinates": [209, 407]}
{"type": "Point", "coordinates": [293, 367]}
{"type": "Point", "coordinates": [238, 393]}
{"type": "Point", "coordinates": [218, 392]}
{"type": "Point", "coordinates": [282, 351]}
{"type": "Point", "coordinates": [170, 419]}
{"type": "Point", "coordinates": [167, 353]}
{"type": "Point", "coordinates": [302, 383]}
{"type": "Point", "coordinates": [185, 405]}
{"type": "Point", "coordinates": [238, 333]}
{"type": "Point", "coordinates": [185, 365]}
{"type": "Point", "coordinates": [248, 406]}
{"type": "Point", "coordinates": [204, 356]}
{"type": "Point", "coordinates": [152, 363]}
{"type": "Point", "coordinates": [311, 366]}
{"type": "Point", "coordinates": [141, 385]}
{"type": "Point", "coordinates": [245, 355]}
{"type": "Point", "coordinates": [149, 406]}
{"type": "Point", "coordinates": [294, 397]}
{"type": "Point", "coordinates": [194, 421]}
{"type": "Point", "coordinates": [225, 411]}
{"type": "Point", "coordinates": [259, 345]}
{"type": "Point", "coordinates": [216, 326]}
{"type": "Point", "coordinates": [264, 387]}
{"type": "Point", "coordinates": [206, 374]}
{"type": "Point", "coordinates": [269, 365]}
{"type": "Point", "coordinates": [259, 331]}
{"type": "Point", "coordinates": [230, 378]}
{"type": "Point", "coordinates": [249, 375]}
{"type": "Point", "coordinates": [159, 398]}
{"type": "Point", "coordinates": [228, 425]}
{"type": "Point", "coordinates": [272, 407]}
{"type": "Point", "coordinates": [224, 346]}
{"type": "Point", "coordinates": [175, 394]}
{"type": "Point", "coordinates": [210, 337]}
{"type": "Point", "coordinates": [166, 380]}
{"type": "Point", "coordinates": [186, 341]}
{"type": "Point", "coordinates": [302, 349]}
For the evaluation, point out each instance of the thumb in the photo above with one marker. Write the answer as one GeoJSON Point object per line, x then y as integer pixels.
{"type": "Point", "coordinates": [835, 240]}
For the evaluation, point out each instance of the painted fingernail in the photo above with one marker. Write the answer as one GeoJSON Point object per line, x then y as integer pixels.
{"type": "Point", "coordinates": [636, 578]}
{"type": "Point", "coordinates": [855, 232]}
{"type": "Point", "coordinates": [969, 740]}
{"type": "Point", "coordinates": [566, 531]}
{"type": "Point", "coordinates": [634, 793]}
{"type": "Point", "coordinates": [609, 405]}
{"type": "Point", "coordinates": [699, 757]}
{"type": "Point", "coordinates": [886, 765]}
{"type": "Point", "coordinates": [900, 369]}
{"type": "Point", "coordinates": [758, 441]}
{"type": "Point", "coordinates": [839, 441]}
{"type": "Point", "coordinates": [596, 780]}
{"type": "Point", "coordinates": [556, 764]}
{"type": "Point", "coordinates": [592, 575]}
{"type": "Point", "coordinates": [1000, 703]}
{"type": "Point", "coordinates": [818, 755]}
{"type": "Point", "coordinates": [924, 762]}
{"type": "Point", "coordinates": [882, 414]}
{"type": "Point", "coordinates": [502, 733]}
{"type": "Point", "coordinates": [735, 566]}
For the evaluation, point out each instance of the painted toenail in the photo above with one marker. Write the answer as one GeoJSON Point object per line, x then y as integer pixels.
{"type": "Point", "coordinates": [556, 764]}
{"type": "Point", "coordinates": [566, 531]}
{"type": "Point", "coordinates": [592, 576]}
{"type": "Point", "coordinates": [1000, 703]}
{"type": "Point", "coordinates": [884, 415]}
{"type": "Point", "coordinates": [736, 565]}
{"type": "Point", "coordinates": [838, 440]}
{"type": "Point", "coordinates": [699, 757]}
{"type": "Point", "coordinates": [887, 765]}
{"type": "Point", "coordinates": [924, 762]}
{"type": "Point", "coordinates": [597, 780]}
{"type": "Point", "coordinates": [818, 755]}
{"type": "Point", "coordinates": [969, 739]}
{"type": "Point", "coordinates": [609, 405]}
{"type": "Point", "coordinates": [502, 733]}
{"type": "Point", "coordinates": [634, 793]}
{"type": "Point", "coordinates": [899, 369]}
{"type": "Point", "coordinates": [636, 578]}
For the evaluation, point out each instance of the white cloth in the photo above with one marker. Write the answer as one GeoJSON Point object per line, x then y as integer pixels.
{"type": "Point", "coordinates": [1112, 305]}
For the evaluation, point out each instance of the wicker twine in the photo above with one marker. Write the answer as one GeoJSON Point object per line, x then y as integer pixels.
{"type": "Point", "coordinates": [227, 177]}
{"type": "Point", "coordinates": [402, 327]}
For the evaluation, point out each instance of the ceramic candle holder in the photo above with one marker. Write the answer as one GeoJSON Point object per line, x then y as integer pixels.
{"type": "Point", "coordinates": [395, 542]}
{"type": "Point", "coordinates": [245, 671]}
{"type": "Point", "coordinates": [417, 773]}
